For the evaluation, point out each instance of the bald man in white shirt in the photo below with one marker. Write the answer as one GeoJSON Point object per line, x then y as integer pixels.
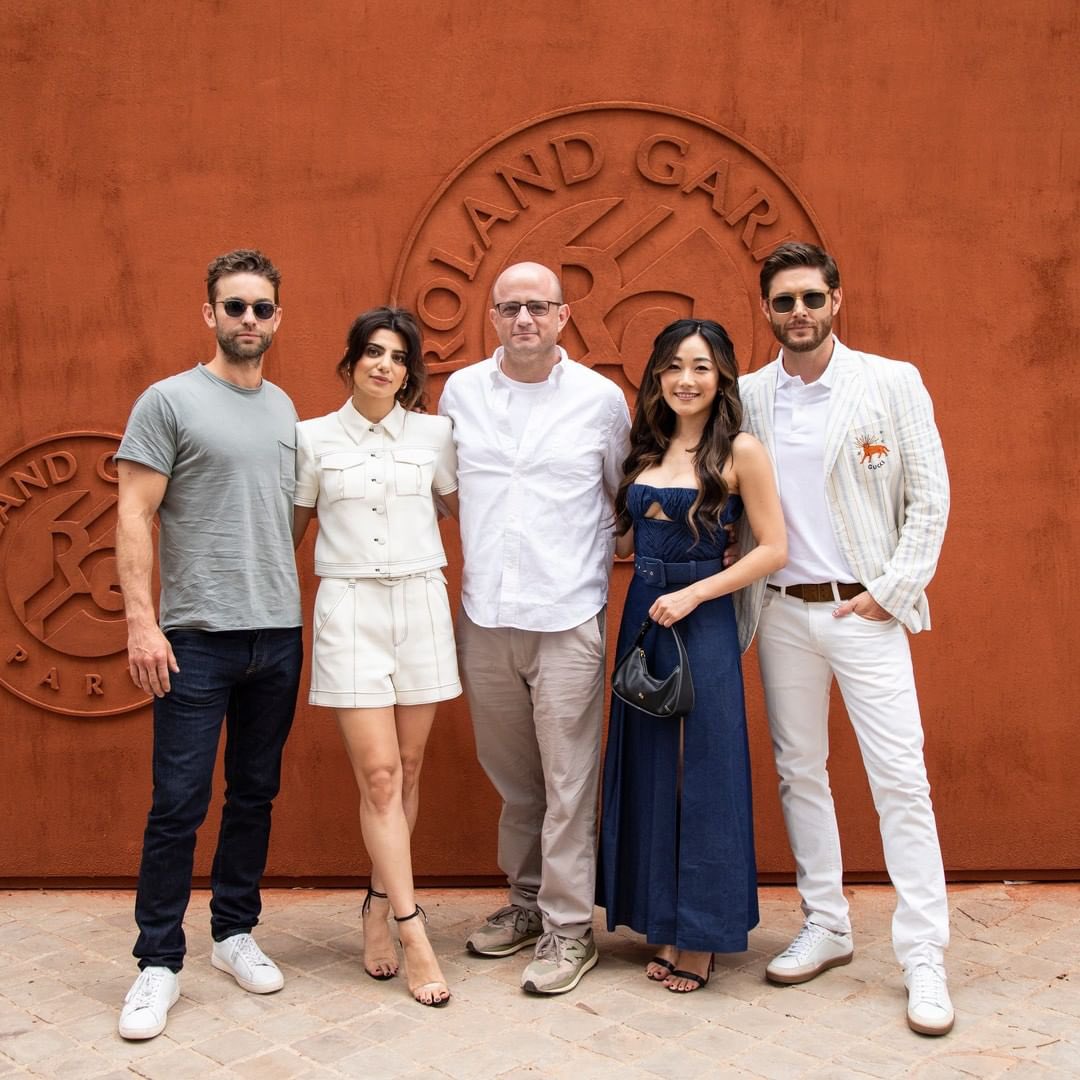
{"type": "Point", "coordinates": [540, 442]}
{"type": "Point", "coordinates": [865, 494]}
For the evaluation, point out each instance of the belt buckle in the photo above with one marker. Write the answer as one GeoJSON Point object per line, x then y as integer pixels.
{"type": "Point", "coordinates": [651, 571]}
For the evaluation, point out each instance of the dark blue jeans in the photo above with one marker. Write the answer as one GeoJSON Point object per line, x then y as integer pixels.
{"type": "Point", "coordinates": [248, 678]}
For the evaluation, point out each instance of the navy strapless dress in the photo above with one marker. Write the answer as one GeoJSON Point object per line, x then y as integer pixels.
{"type": "Point", "coordinates": [677, 836]}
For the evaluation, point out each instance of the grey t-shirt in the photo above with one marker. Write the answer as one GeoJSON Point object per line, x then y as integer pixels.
{"type": "Point", "coordinates": [225, 548]}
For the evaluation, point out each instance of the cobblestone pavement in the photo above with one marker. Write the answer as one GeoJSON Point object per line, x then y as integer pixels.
{"type": "Point", "coordinates": [65, 966]}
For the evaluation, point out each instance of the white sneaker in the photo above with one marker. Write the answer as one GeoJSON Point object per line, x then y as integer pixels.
{"type": "Point", "coordinates": [147, 1004]}
{"type": "Point", "coordinates": [247, 964]}
{"type": "Point", "coordinates": [929, 1010]}
{"type": "Point", "coordinates": [814, 950]}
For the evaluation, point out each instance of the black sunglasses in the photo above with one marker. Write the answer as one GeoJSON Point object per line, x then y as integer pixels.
{"type": "Point", "coordinates": [785, 302]}
{"type": "Point", "coordinates": [264, 309]}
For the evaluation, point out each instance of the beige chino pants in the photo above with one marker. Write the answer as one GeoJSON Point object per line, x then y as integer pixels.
{"type": "Point", "coordinates": [537, 699]}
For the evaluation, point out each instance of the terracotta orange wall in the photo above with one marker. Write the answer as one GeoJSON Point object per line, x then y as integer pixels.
{"type": "Point", "coordinates": [934, 145]}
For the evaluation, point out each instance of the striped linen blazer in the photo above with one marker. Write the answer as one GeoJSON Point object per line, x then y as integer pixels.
{"type": "Point", "coordinates": [885, 480]}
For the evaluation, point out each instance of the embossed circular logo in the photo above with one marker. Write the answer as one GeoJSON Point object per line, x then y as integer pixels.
{"type": "Point", "coordinates": [647, 214]}
{"type": "Point", "coordinates": [63, 636]}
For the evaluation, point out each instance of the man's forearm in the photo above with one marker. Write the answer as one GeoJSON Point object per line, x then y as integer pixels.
{"type": "Point", "coordinates": [135, 564]}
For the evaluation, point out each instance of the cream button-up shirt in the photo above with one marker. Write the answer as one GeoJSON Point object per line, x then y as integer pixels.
{"type": "Point", "coordinates": [372, 485]}
{"type": "Point", "coordinates": [537, 518]}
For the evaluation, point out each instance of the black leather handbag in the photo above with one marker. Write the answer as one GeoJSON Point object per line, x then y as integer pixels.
{"type": "Point", "coordinates": [632, 682]}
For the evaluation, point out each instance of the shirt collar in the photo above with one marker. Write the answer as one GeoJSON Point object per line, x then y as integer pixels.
{"type": "Point", "coordinates": [553, 379]}
{"type": "Point", "coordinates": [357, 426]}
{"type": "Point", "coordinates": [826, 378]}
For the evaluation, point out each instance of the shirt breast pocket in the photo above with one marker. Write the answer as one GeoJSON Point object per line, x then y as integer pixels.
{"type": "Point", "coordinates": [344, 476]}
{"type": "Point", "coordinates": [413, 471]}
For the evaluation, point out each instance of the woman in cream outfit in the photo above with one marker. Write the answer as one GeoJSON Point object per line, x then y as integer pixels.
{"type": "Point", "coordinates": [383, 652]}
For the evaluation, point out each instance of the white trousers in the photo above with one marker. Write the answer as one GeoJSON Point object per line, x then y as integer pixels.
{"type": "Point", "coordinates": [801, 647]}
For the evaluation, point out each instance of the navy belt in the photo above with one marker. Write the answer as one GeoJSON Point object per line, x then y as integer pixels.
{"type": "Point", "coordinates": [661, 574]}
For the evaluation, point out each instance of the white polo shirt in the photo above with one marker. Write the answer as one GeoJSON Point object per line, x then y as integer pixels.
{"type": "Point", "coordinates": [800, 415]}
{"type": "Point", "coordinates": [537, 517]}
{"type": "Point", "coordinates": [372, 485]}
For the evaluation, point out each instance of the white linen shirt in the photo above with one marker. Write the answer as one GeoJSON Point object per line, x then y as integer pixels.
{"type": "Point", "coordinates": [537, 506]}
{"type": "Point", "coordinates": [371, 485]}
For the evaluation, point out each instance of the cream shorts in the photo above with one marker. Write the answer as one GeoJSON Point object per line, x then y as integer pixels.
{"type": "Point", "coordinates": [383, 641]}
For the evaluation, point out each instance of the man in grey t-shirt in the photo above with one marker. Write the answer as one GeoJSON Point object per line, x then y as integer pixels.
{"type": "Point", "coordinates": [211, 452]}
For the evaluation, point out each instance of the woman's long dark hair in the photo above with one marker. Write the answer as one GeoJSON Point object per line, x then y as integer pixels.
{"type": "Point", "coordinates": [654, 425]}
{"type": "Point", "coordinates": [411, 395]}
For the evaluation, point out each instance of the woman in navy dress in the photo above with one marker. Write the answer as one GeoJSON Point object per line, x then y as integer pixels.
{"type": "Point", "coordinates": [677, 840]}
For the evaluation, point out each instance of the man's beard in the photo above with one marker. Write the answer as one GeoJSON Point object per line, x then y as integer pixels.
{"type": "Point", "coordinates": [247, 353]}
{"type": "Point", "coordinates": [822, 332]}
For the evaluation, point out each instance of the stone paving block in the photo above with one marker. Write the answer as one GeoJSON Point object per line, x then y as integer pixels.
{"type": "Point", "coordinates": [328, 1046]}
{"type": "Point", "coordinates": [40, 1042]}
{"type": "Point", "coordinates": [718, 1043]}
{"type": "Point", "coordinates": [756, 1022]}
{"type": "Point", "coordinates": [1032, 1070]}
{"type": "Point", "coordinates": [574, 1025]}
{"type": "Point", "coordinates": [232, 1046]}
{"type": "Point", "coordinates": [196, 1022]}
{"type": "Point", "coordinates": [583, 1065]}
{"type": "Point", "coordinates": [665, 1023]}
{"type": "Point", "coordinates": [287, 1027]}
{"type": "Point", "coordinates": [27, 986]}
{"type": "Point", "coordinates": [277, 1064]}
{"type": "Point", "coordinates": [869, 1058]}
{"type": "Point", "coordinates": [80, 1065]}
{"type": "Point", "coordinates": [623, 1044]}
{"type": "Point", "coordinates": [1062, 1055]}
{"type": "Point", "coordinates": [378, 1063]}
{"type": "Point", "coordinates": [179, 1064]}
{"type": "Point", "coordinates": [387, 1025]}
{"type": "Point", "coordinates": [675, 1059]}
{"type": "Point", "coordinates": [336, 1006]}
{"type": "Point", "coordinates": [1062, 997]}
{"type": "Point", "coordinates": [795, 1002]}
{"type": "Point", "coordinates": [981, 1065]}
{"type": "Point", "coordinates": [775, 1062]}
{"type": "Point", "coordinates": [70, 1006]}
{"type": "Point", "coordinates": [124, 1052]}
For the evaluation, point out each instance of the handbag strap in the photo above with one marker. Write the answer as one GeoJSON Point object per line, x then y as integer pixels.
{"type": "Point", "coordinates": [680, 648]}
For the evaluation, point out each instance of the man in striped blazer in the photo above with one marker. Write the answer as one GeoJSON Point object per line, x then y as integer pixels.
{"type": "Point", "coordinates": [862, 479]}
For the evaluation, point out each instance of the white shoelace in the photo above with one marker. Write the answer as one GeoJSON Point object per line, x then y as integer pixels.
{"type": "Point", "coordinates": [928, 988]}
{"type": "Point", "coordinates": [145, 991]}
{"type": "Point", "coordinates": [806, 941]}
{"type": "Point", "coordinates": [247, 950]}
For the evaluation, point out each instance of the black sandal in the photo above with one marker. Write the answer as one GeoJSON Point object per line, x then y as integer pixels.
{"type": "Point", "coordinates": [435, 984]}
{"type": "Point", "coordinates": [691, 976]}
{"type": "Point", "coordinates": [659, 961]}
{"type": "Point", "coordinates": [365, 908]}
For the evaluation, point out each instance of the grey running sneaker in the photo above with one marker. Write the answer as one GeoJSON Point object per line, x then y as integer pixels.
{"type": "Point", "coordinates": [559, 964]}
{"type": "Point", "coordinates": [509, 929]}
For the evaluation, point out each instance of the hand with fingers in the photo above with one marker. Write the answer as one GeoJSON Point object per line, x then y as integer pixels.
{"type": "Point", "coordinates": [150, 659]}
{"type": "Point", "coordinates": [669, 609]}
{"type": "Point", "coordinates": [864, 605]}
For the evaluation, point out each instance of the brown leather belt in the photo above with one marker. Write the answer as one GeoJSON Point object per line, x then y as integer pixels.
{"type": "Point", "coordinates": [822, 593]}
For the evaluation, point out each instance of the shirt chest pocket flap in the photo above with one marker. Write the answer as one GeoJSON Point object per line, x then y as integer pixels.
{"type": "Point", "coordinates": [414, 468]}
{"type": "Point", "coordinates": [346, 474]}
